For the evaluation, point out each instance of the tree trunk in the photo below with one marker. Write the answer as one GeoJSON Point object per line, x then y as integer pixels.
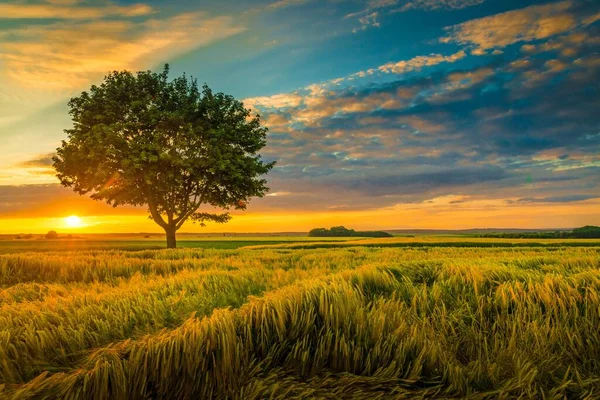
{"type": "Point", "coordinates": [171, 239]}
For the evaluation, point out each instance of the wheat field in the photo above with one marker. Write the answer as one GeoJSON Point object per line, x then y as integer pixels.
{"type": "Point", "coordinates": [295, 323]}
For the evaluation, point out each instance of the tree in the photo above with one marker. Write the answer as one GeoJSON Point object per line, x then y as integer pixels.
{"type": "Point", "coordinates": [588, 231]}
{"type": "Point", "coordinates": [51, 235]}
{"type": "Point", "coordinates": [319, 232]}
{"type": "Point", "coordinates": [341, 231]}
{"type": "Point", "coordinates": [142, 140]}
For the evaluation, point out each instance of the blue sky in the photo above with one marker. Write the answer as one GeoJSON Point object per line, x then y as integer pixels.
{"type": "Point", "coordinates": [417, 109]}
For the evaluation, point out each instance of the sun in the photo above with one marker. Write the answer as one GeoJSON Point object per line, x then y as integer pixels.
{"type": "Point", "coordinates": [73, 221]}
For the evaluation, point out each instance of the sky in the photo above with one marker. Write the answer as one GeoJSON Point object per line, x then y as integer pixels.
{"type": "Point", "coordinates": [382, 114]}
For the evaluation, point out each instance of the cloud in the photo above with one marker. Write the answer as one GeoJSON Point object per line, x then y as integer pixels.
{"type": "Point", "coordinates": [569, 45]}
{"type": "Point", "coordinates": [406, 132]}
{"type": "Point", "coordinates": [64, 10]}
{"type": "Point", "coordinates": [368, 17]}
{"type": "Point", "coordinates": [434, 5]}
{"type": "Point", "coordinates": [64, 2]}
{"type": "Point", "coordinates": [285, 3]}
{"type": "Point", "coordinates": [387, 143]}
{"type": "Point", "coordinates": [41, 161]}
{"type": "Point", "coordinates": [52, 200]}
{"type": "Point", "coordinates": [417, 63]}
{"type": "Point", "coordinates": [321, 101]}
{"type": "Point", "coordinates": [68, 55]}
{"type": "Point", "coordinates": [33, 170]}
{"type": "Point", "coordinates": [276, 121]}
{"type": "Point", "coordinates": [421, 182]}
{"type": "Point", "coordinates": [571, 198]}
{"type": "Point", "coordinates": [523, 25]}
{"type": "Point", "coordinates": [276, 101]}
{"type": "Point", "coordinates": [592, 19]}
{"type": "Point", "coordinates": [427, 5]}
{"type": "Point", "coordinates": [374, 4]}
{"type": "Point", "coordinates": [318, 101]}
{"type": "Point", "coordinates": [367, 21]}
{"type": "Point", "coordinates": [414, 64]}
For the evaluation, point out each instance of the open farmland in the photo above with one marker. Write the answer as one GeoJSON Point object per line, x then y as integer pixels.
{"type": "Point", "coordinates": [337, 321]}
{"type": "Point", "coordinates": [139, 242]}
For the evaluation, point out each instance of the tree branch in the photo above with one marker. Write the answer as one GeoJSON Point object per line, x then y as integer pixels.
{"type": "Point", "coordinates": [156, 215]}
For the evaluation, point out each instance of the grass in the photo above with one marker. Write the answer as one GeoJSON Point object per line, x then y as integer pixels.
{"type": "Point", "coordinates": [435, 241]}
{"type": "Point", "coordinates": [137, 243]}
{"type": "Point", "coordinates": [349, 322]}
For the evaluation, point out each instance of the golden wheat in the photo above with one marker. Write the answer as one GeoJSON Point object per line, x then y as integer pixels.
{"type": "Point", "coordinates": [347, 323]}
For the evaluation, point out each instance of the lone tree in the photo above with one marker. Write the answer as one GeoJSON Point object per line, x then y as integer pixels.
{"type": "Point", "coordinates": [140, 139]}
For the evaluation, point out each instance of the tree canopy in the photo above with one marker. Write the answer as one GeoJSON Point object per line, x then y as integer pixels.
{"type": "Point", "coordinates": [142, 139]}
{"type": "Point", "coordinates": [588, 231]}
{"type": "Point", "coordinates": [341, 231]}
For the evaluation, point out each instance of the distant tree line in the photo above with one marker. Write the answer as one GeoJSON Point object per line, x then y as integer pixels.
{"type": "Point", "coordinates": [340, 231]}
{"type": "Point", "coordinates": [588, 232]}
{"type": "Point", "coordinates": [26, 236]}
{"type": "Point", "coordinates": [51, 235]}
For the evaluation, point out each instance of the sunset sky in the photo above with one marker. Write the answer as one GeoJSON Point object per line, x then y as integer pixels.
{"type": "Point", "coordinates": [383, 114]}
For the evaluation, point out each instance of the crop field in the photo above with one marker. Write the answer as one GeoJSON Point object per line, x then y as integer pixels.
{"type": "Point", "coordinates": [349, 320]}
{"type": "Point", "coordinates": [107, 242]}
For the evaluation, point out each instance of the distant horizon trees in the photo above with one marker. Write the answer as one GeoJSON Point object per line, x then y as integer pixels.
{"type": "Point", "coordinates": [51, 235]}
{"type": "Point", "coordinates": [585, 232]}
{"type": "Point", "coordinates": [341, 231]}
{"type": "Point", "coordinates": [588, 231]}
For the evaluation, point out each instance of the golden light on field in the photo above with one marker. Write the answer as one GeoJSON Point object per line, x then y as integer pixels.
{"type": "Point", "coordinates": [73, 222]}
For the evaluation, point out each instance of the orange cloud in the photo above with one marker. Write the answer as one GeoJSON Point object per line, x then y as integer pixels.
{"type": "Point", "coordinates": [399, 67]}
{"type": "Point", "coordinates": [422, 125]}
{"type": "Point", "coordinates": [524, 25]}
{"type": "Point", "coordinates": [276, 121]}
{"type": "Point", "coordinates": [318, 103]}
{"type": "Point", "coordinates": [417, 63]}
{"type": "Point", "coordinates": [63, 10]}
{"type": "Point", "coordinates": [367, 21]}
{"type": "Point", "coordinates": [568, 45]}
{"type": "Point", "coordinates": [69, 55]}
{"type": "Point", "coordinates": [64, 2]}
{"type": "Point", "coordinates": [276, 101]}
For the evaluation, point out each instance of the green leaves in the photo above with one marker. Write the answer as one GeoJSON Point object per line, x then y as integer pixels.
{"type": "Point", "coordinates": [172, 146]}
{"type": "Point", "coordinates": [201, 218]}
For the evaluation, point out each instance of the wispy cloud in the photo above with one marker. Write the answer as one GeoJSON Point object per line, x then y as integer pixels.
{"type": "Point", "coordinates": [41, 161]}
{"type": "Point", "coordinates": [320, 101]}
{"type": "Point", "coordinates": [278, 101]}
{"type": "Point", "coordinates": [367, 21]}
{"type": "Point", "coordinates": [556, 199]}
{"type": "Point", "coordinates": [414, 64]}
{"type": "Point", "coordinates": [65, 9]}
{"type": "Point", "coordinates": [368, 16]}
{"type": "Point", "coordinates": [434, 5]}
{"type": "Point", "coordinates": [69, 55]}
{"type": "Point", "coordinates": [419, 62]}
{"type": "Point", "coordinates": [285, 3]}
{"type": "Point", "coordinates": [523, 25]}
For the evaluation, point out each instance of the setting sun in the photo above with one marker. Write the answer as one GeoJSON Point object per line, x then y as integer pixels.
{"type": "Point", "coordinates": [73, 221]}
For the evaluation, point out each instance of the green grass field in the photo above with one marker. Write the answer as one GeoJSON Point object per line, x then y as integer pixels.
{"type": "Point", "coordinates": [402, 318]}
{"type": "Point", "coordinates": [152, 243]}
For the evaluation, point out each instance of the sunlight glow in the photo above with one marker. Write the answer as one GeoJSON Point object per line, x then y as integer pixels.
{"type": "Point", "coordinates": [73, 221]}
